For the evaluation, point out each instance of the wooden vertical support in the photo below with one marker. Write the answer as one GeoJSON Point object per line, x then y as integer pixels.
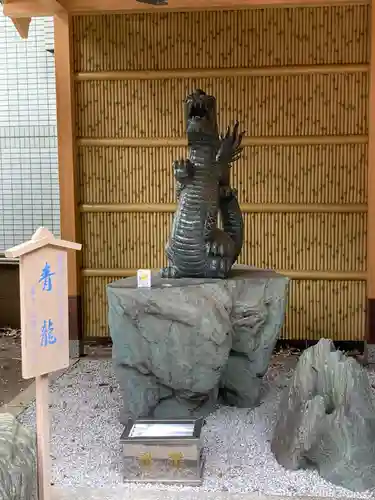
{"type": "Point", "coordinates": [43, 437]}
{"type": "Point", "coordinates": [68, 178]}
{"type": "Point", "coordinates": [370, 337]}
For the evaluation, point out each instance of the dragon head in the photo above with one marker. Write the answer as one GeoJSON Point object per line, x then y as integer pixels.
{"type": "Point", "coordinates": [200, 116]}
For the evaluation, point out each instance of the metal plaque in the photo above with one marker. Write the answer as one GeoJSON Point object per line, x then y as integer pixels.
{"type": "Point", "coordinates": [163, 451]}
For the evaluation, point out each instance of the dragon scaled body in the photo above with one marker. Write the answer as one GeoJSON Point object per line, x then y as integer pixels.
{"type": "Point", "coordinates": [197, 247]}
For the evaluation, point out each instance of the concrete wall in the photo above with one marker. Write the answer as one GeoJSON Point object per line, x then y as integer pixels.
{"type": "Point", "coordinates": [29, 191]}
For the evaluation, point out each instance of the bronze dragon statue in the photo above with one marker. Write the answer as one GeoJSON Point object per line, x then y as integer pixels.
{"type": "Point", "coordinates": [197, 247]}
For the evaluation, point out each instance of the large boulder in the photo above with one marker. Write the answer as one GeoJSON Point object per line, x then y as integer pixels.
{"type": "Point", "coordinates": [17, 460]}
{"type": "Point", "coordinates": [176, 344]}
{"type": "Point", "coordinates": [326, 419]}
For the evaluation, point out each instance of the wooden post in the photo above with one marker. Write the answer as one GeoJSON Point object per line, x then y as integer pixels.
{"type": "Point", "coordinates": [43, 436]}
{"type": "Point", "coordinates": [44, 328]}
{"type": "Point", "coordinates": [370, 337]}
{"type": "Point", "coordinates": [68, 178]}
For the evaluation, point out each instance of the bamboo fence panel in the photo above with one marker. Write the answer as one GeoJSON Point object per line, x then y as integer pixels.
{"type": "Point", "coordinates": [297, 80]}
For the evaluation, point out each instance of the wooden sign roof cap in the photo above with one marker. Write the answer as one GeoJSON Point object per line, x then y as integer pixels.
{"type": "Point", "coordinates": [41, 238]}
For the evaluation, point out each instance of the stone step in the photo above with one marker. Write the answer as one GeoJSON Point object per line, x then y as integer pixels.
{"type": "Point", "coordinates": [123, 493]}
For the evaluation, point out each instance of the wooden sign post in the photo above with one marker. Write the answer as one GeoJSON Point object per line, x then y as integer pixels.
{"type": "Point", "coordinates": [44, 328]}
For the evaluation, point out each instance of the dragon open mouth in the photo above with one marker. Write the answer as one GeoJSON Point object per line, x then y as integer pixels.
{"type": "Point", "coordinates": [200, 116]}
{"type": "Point", "coordinates": [198, 110]}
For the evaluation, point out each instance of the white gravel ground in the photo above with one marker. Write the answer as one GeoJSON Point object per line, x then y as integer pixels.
{"type": "Point", "coordinates": [86, 452]}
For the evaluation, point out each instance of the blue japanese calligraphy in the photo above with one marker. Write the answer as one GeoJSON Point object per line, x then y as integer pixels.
{"type": "Point", "coordinates": [45, 278]}
{"type": "Point", "coordinates": [47, 337]}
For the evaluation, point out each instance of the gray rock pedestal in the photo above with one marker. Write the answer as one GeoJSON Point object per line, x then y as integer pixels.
{"type": "Point", "coordinates": [17, 460]}
{"type": "Point", "coordinates": [326, 419]}
{"type": "Point", "coordinates": [176, 344]}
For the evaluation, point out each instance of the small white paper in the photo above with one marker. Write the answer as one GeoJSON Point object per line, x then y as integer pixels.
{"type": "Point", "coordinates": [144, 278]}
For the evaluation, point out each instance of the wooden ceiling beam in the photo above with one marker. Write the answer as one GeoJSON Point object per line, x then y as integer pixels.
{"type": "Point", "coordinates": [40, 8]}
{"type": "Point", "coordinates": [33, 8]}
{"type": "Point", "coordinates": [99, 6]}
{"type": "Point", "coordinates": [56, 5]}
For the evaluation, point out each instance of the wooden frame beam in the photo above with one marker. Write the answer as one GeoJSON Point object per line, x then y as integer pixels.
{"type": "Point", "coordinates": [33, 8]}
{"type": "Point", "coordinates": [40, 8]}
{"type": "Point", "coordinates": [56, 5]}
{"type": "Point", "coordinates": [370, 337]}
{"type": "Point", "coordinates": [69, 213]}
{"type": "Point", "coordinates": [22, 22]}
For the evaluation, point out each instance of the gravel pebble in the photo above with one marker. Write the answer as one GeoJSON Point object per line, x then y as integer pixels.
{"type": "Point", "coordinates": [84, 408]}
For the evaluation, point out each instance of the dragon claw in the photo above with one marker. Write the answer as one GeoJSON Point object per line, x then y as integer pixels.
{"type": "Point", "coordinates": [218, 268]}
{"type": "Point", "coordinates": [230, 147]}
{"type": "Point", "coordinates": [215, 249]}
{"type": "Point", "coordinates": [169, 272]}
{"type": "Point", "coordinates": [227, 192]}
{"type": "Point", "coordinates": [183, 170]}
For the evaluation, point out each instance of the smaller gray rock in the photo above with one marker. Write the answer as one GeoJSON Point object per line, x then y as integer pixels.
{"type": "Point", "coordinates": [17, 460]}
{"type": "Point", "coordinates": [326, 419]}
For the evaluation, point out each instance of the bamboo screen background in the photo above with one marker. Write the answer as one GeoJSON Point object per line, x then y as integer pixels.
{"type": "Point", "coordinates": [297, 80]}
